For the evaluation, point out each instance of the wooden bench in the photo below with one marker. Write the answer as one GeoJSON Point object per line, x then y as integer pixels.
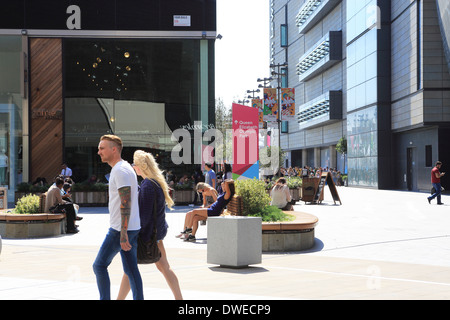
{"type": "Point", "coordinates": [236, 206]}
{"type": "Point", "coordinates": [42, 199]}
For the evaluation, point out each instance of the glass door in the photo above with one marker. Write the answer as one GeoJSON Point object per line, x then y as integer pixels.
{"type": "Point", "coordinates": [11, 165]}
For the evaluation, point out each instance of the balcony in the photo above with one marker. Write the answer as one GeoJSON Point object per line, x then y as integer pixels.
{"type": "Point", "coordinates": [324, 54]}
{"type": "Point", "coordinates": [322, 110]}
{"type": "Point", "coordinates": [312, 12]}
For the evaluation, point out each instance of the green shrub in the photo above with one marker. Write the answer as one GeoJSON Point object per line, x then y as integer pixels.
{"type": "Point", "coordinates": [24, 187]}
{"type": "Point", "coordinates": [272, 213]}
{"type": "Point", "coordinates": [39, 188]}
{"type": "Point", "coordinates": [294, 182]}
{"type": "Point", "coordinates": [185, 186]}
{"type": "Point", "coordinates": [256, 201]}
{"type": "Point", "coordinates": [28, 187]}
{"type": "Point", "coordinates": [86, 187]}
{"type": "Point", "coordinates": [254, 195]}
{"type": "Point", "coordinates": [27, 204]}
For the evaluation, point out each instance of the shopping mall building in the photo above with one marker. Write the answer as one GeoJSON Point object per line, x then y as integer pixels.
{"type": "Point", "coordinates": [72, 71]}
{"type": "Point", "coordinates": [373, 71]}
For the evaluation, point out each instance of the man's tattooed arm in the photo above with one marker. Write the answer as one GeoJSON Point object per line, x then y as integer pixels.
{"type": "Point", "coordinates": [125, 210]}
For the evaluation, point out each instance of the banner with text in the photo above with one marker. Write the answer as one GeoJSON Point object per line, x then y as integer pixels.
{"type": "Point", "coordinates": [245, 142]}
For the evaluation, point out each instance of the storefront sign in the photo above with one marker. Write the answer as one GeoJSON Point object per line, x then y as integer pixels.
{"type": "Point", "coordinates": [74, 21]}
{"type": "Point", "coordinates": [47, 114]}
{"type": "Point", "coordinates": [149, 15]}
{"type": "Point", "coordinates": [181, 21]}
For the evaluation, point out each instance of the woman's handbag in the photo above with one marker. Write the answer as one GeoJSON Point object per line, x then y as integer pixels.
{"type": "Point", "coordinates": [148, 251]}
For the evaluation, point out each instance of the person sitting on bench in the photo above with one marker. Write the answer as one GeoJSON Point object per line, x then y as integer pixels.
{"type": "Point", "coordinates": [54, 203]}
{"type": "Point", "coordinates": [196, 215]}
{"type": "Point", "coordinates": [281, 198]}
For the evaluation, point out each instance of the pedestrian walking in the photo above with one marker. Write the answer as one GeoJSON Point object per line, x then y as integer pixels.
{"type": "Point", "coordinates": [124, 220]}
{"type": "Point", "coordinates": [153, 188]}
{"type": "Point", "coordinates": [436, 182]}
{"type": "Point", "coordinates": [210, 177]}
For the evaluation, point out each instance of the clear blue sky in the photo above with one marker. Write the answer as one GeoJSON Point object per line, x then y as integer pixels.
{"type": "Point", "coordinates": [243, 54]}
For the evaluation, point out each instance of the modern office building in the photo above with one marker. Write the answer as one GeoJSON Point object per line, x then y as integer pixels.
{"type": "Point", "coordinates": [72, 71]}
{"type": "Point", "coordinates": [373, 71]}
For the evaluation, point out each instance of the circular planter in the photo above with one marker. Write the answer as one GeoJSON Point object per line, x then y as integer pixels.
{"type": "Point", "coordinates": [297, 235]}
{"type": "Point", "coordinates": [26, 226]}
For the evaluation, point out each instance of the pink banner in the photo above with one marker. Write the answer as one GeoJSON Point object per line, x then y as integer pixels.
{"type": "Point", "coordinates": [245, 142]}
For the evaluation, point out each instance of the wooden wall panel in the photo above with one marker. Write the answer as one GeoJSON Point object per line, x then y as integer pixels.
{"type": "Point", "coordinates": [46, 93]}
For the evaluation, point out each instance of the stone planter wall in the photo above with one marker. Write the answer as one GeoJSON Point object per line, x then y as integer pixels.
{"type": "Point", "coordinates": [15, 226]}
{"type": "Point", "coordinates": [296, 235]}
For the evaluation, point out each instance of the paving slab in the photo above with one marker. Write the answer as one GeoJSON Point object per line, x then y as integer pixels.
{"type": "Point", "coordinates": [376, 245]}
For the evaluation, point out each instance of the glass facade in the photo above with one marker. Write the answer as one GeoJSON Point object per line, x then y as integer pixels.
{"type": "Point", "coordinates": [140, 90]}
{"type": "Point", "coordinates": [361, 15]}
{"type": "Point", "coordinates": [362, 148]}
{"type": "Point", "coordinates": [443, 7]}
{"type": "Point", "coordinates": [11, 88]}
{"type": "Point", "coordinates": [362, 71]}
{"type": "Point", "coordinates": [362, 92]}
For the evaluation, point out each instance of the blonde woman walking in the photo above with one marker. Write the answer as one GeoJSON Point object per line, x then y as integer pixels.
{"type": "Point", "coordinates": [153, 185]}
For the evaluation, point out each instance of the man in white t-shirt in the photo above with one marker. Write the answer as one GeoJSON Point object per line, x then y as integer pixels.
{"type": "Point", "coordinates": [124, 220]}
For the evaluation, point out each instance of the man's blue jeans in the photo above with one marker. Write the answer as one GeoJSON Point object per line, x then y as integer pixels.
{"type": "Point", "coordinates": [109, 249]}
{"type": "Point", "coordinates": [437, 194]}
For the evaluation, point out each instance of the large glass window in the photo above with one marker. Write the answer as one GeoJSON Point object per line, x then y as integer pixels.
{"type": "Point", "coordinates": [10, 113]}
{"type": "Point", "coordinates": [363, 147]}
{"type": "Point", "coordinates": [362, 71]}
{"type": "Point", "coordinates": [284, 35]}
{"type": "Point", "coordinates": [140, 90]}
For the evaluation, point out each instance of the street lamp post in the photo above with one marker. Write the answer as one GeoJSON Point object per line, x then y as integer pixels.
{"type": "Point", "coordinates": [266, 82]}
{"type": "Point", "coordinates": [279, 75]}
{"type": "Point", "coordinates": [253, 93]}
{"type": "Point", "coordinates": [243, 101]}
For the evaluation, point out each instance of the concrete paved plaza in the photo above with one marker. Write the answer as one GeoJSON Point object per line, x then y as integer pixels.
{"type": "Point", "coordinates": [376, 245]}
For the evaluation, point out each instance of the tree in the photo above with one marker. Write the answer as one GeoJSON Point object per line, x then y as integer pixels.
{"type": "Point", "coordinates": [223, 116]}
{"type": "Point", "coordinates": [341, 146]}
{"type": "Point", "coordinates": [224, 122]}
